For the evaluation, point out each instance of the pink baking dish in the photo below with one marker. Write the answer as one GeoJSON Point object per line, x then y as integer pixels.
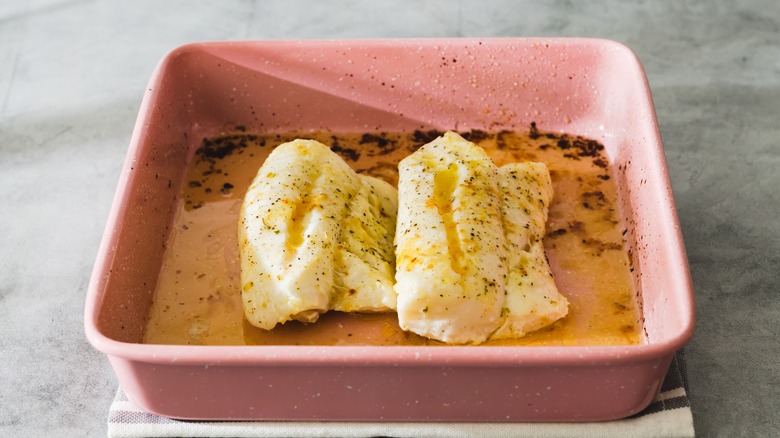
{"type": "Point", "coordinates": [594, 88]}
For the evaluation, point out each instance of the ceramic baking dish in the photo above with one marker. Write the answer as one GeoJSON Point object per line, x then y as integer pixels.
{"type": "Point", "coordinates": [594, 88]}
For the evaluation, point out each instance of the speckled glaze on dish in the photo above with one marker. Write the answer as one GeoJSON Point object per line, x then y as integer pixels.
{"type": "Point", "coordinates": [594, 88]}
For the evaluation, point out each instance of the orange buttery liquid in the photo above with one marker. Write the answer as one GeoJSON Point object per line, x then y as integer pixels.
{"type": "Point", "coordinates": [198, 298]}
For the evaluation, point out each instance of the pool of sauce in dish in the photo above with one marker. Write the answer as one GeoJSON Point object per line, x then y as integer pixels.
{"type": "Point", "coordinates": [197, 299]}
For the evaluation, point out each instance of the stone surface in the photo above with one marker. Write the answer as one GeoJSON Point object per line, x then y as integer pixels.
{"type": "Point", "coordinates": [72, 74]}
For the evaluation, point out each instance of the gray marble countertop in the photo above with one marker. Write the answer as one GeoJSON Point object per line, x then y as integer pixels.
{"type": "Point", "coordinates": [72, 74]}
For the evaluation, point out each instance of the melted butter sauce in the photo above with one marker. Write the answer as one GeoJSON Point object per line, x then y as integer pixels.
{"type": "Point", "coordinates": [198, 300]}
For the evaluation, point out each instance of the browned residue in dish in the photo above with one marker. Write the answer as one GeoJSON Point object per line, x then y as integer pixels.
{"type": "Point", "coordinates": [197, 300]}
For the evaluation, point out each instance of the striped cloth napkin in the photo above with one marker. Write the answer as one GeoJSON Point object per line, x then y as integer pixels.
{"type": "Point", "coordinates": [669, 415]}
